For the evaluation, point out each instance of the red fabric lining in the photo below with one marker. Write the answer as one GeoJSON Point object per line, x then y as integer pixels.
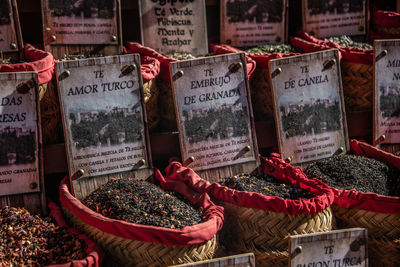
{"type": "Point", "coordinates": [213, 218]}
{"type": "Point", "coordinates": [38, 60]}
{"type": "Point", "coordinates": [94, 252]}
{"type": "Point", "coordinates": [380, 36]}
{"type": "Point", "coordinates": [387, 19]}
{"type": "Point", "coordinates": [149, 67]}
{"type": "Point", "coordinates": [324, 196]}
{"type": "Point", "coordinates": [352, 54]}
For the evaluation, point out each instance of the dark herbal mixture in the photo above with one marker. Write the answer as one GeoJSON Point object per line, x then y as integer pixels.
{"type": "Point", "coordinates": [267, 49]}
{"type": "Point", "coordinates": [346, 41]}
{"type": "Point", "coordinates": [144, 203]}
{"type": "Point", "coordinates": [266, 185]}
{"type": "Point", "coordinates": [28, 240]}
{"type": "Point", "coordinates": [355, 172]}
{"type": "Point", "coordinates": [80, 56]}
{"type": "Point", "coordinates": [7, 61]}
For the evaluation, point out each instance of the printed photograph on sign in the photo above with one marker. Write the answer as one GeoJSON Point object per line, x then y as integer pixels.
{"type": "Point", "coordinates": [103, 114]}
{"type": "Point", "coordinates": [7, 28]}
{"type": "Point", "coordinates": [387, 91]}
{"type": "Point", "coordinates": [211, 97]}
{"type": "Point", "coordinates": [174, 26]}
{"type": "Point", "coordinates": [19, 161]}
{"type": "Point", "coordinates": [252, 22]}
{"type": "Point", "coordinates": [327, 18]}
{"type": "Point", "coordinates": [80, 21]}
{"type": "Point", "coordinates": [309, 106]}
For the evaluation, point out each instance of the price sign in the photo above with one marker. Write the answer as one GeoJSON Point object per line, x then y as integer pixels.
{"type": "Point", "coordinates": [8, 35]}
{"type": "Point", "coordinates": [326, 18]}
{"type": "Point", "coordinates": [19, 134]}
{"type": "Point", "coordinates": [253, 22]}
{"type": "Point", "coordinates": [346, 247]}
{"type": "Point", "coordinates": [387, 92]}
{"type": "Point", "coordinates": [102, 106]}
{"type": "Point", "coordinates": [213, 109]}
{"type": "Point", "coordinates": [174, 26]}
{"type": "Point", "coordinates": [80, 22]}
{"type": "Point", "coordinates": [309, 106]}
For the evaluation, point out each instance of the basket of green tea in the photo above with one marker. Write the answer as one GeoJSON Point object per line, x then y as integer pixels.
{"type": "Point", "coordinates": [138, 223]}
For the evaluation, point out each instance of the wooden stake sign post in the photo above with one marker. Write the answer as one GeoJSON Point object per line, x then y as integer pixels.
{"type": "Point", "coordinates": [326, 18]}
{"type": "Point", "coordinates": [104, 121]}
{"type": "Point", "coordinates": [174, 26]}
{"type": "Point", "coordinates": [387, 94]}
{"type": "Point", "coordinates": [82, 27]}
{"type": "Point", "coordinates": [253, 22]}
{"type": "Point", "coordinates": [214, 120]}
{"type": "Point", "coordinates": [339, 248]}
{"type": "Point", "coordinates": [10, 31]}
{"type": "Point", "coordinates": [309, 107]}
{"type": "Point", "coordinates": [21, 172]}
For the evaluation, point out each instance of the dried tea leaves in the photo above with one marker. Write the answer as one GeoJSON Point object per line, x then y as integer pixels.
{"type": "Point", "coordinates": [346, 41]}
{"type": "Point", "coordinates": [266, 185]}
{"type": "Point", "coordinates": [28, 240]}
{"type": "Point", "coordinates": [355, 172]}
{"type": "Point", "coordinates": [79, 56]}
{"type": "Point", "coordinates": [144, 203]}
{"type": "Point", "coordinates": [185, 56]}
{"type": "Point", "coordinates": [267, 49]}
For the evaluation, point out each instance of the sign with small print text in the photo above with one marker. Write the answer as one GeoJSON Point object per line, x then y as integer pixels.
{"type": "Point", "coordinates": [309, 106]}
{"type": "Point", "coordinates": [174, 26]}
{"type": "Point", "coordinates": [19, 134]}
{"type": "Point", "coordinates": [347, 247]}
{"type": "Point", "coordinates": [326, 18]}
{"type": "Point", "coordinates": [213, 111]}
{"type": "Point", "coordinates": [102, 106]}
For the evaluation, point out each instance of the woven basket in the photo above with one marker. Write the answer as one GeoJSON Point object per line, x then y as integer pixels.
{"type": "Point", "coordinates": [261, 95]}
{"type": "Point", "coordinates": [151, 103]}
{"type": "Point", "coordinates": [272, 258]}
{"type": "Point", "coordinates": [378, 224]}
{"type": "Point", "coordinates": [247, 229]}
{"type": "Point", "coordinates": [166, 106]}
{"type": "Point", "coordinates": [357, 86]}
{"type": "Point", "coordinates": [128, 252]}
{"type": "Point", "coordinates": [383, 252]}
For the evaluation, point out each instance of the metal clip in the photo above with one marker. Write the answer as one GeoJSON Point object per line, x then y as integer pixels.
{"type": "Point", "coordinates": [24, 88]}
{"type": "Point", "coordinates": [127, 69]}
{"type": "Point", "coordinates": [339, 151]}
{"type": "Point", "coordinates": [329, 64]}
{"type": "Point", "coordinates": [381, 55]}
{"type": "Point", "coordinates": [188, 161]}
{"type": "Point", "coordinates": [113, 38]}
{"type": "Point", "coordinates": [380, 139]}
{"type": "Point", "coordinates": [234, 67]}
{"type": "Point", "coordinates": [33, 185]}
{"type": "Point", "coordinates": [178, 75]}
{"type": "Point", "coordinates": [13, 46]}
{"type": "Point", "coordinates": [242, 152]}
{"type": "Point", "coordinates": [288, 159]}
{"type": "Point", "coordinates": [78, 174]}
{"type": "Point", "coordinates": [297, 251]}
{"type": "Point", "coordinates": [276, 72]}
{"type": "Point", "coordinates": [64, 75]}
{"type": "Point", "coordinates": [53, 37]}
{"type": "Point", "coordinates": [139, 164]}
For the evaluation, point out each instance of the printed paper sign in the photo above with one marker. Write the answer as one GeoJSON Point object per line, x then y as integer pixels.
{"type": "Point", "coordinates": [80, 21]}
{"type": "Point", "coordinates": [174, 26]}
{"type": "Point", "coordinates": [387, 91]}
{"type": "Point", "coordinates": [252, 22]}
{"type": "Point", "coordinates": [211, 97]}
{"type": "Point", "coordinates": [309, 107]}
{"type": "Point", "coordinates": [19, 142]}
{"type": "Point", "coordinates": [346, 247]}
{"type": "Point", "coordinates": [8, 35]}
{"type": "Point", "coordinates": [103, 114]}
{"type": "Point", "coordinates": [326, 18]}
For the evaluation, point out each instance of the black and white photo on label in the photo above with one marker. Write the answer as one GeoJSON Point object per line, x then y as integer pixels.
{"type": "Point", "coordinates": [254, 11]}
{"type": "Point", "coordinates": [389, 101]}
{"type": "Point", "coordinates": [329, 7]}
{"type": "Point", "coordinates": [85, 9]}
{"type": "Point", "coordinates": [5, 18]}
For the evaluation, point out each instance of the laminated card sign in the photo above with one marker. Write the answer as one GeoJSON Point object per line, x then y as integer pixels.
{"type": "Point", "coordinates": [326, 18]}
{"type": "Point", "coordinates": [20, 161]}
{"type": "Point", "coordinates": [102, 107]}
{"type": "Point", "coordinates": [8, 27]}
{"type": "Point", "coordinates": [387, 92]}
{"type": "Point", "coordinates": [253, 22]}
{"type": "Point", "coordinates": [170, 26]}
{"type": "Point", "coordinates": [211, 97]}
{"type": "Point", "coordinates": [308, 100]}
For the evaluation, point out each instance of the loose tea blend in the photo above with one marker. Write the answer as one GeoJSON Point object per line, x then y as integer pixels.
{"type": "Point", "coordinates": [79, 56]}
{"type": "Point", "coordinates": [266, 185]}
{"type": "Point", "coordinates": [144, 203]}
{"type": "Point", "coordinates": [267, 49]}
{"type": "Point", "coordinates": [346, 41]}
{"type": "Point", "coordinates": [355, 172]}
{"type": "Point", "coordinates": [28, 240]}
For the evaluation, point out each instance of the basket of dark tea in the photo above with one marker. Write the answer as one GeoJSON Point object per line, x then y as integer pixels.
{"type": "Point", "coordinates": [261, 211]}
{"type": "Point", "coordinates": [142, 224]}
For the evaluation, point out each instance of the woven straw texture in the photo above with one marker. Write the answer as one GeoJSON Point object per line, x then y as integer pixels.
{"type": "Point", "coordinates": [261, 95]}
{"type": "Point", "coordinates": [247, 229]}
{"type": "Point", "coordinates": [357, 86]}
{"type": "Point", "coordinates": [127, 252]}
{"type": "Point", "coordinates": [166, 106]}
{"type": "Point", "coordinates": [383, 252]}
{"type": "Point", "coordinates": [272, 258]}
{"type": "Point", "coordinates": [378, 224]}
{"type": "Point", "coordinates": [151, 93]}
{"type": "Point", "coordinates": [50, 113]}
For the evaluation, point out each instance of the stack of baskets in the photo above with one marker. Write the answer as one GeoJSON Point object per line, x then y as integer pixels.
{"type": "Point", "coordinates": [261, 224]}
